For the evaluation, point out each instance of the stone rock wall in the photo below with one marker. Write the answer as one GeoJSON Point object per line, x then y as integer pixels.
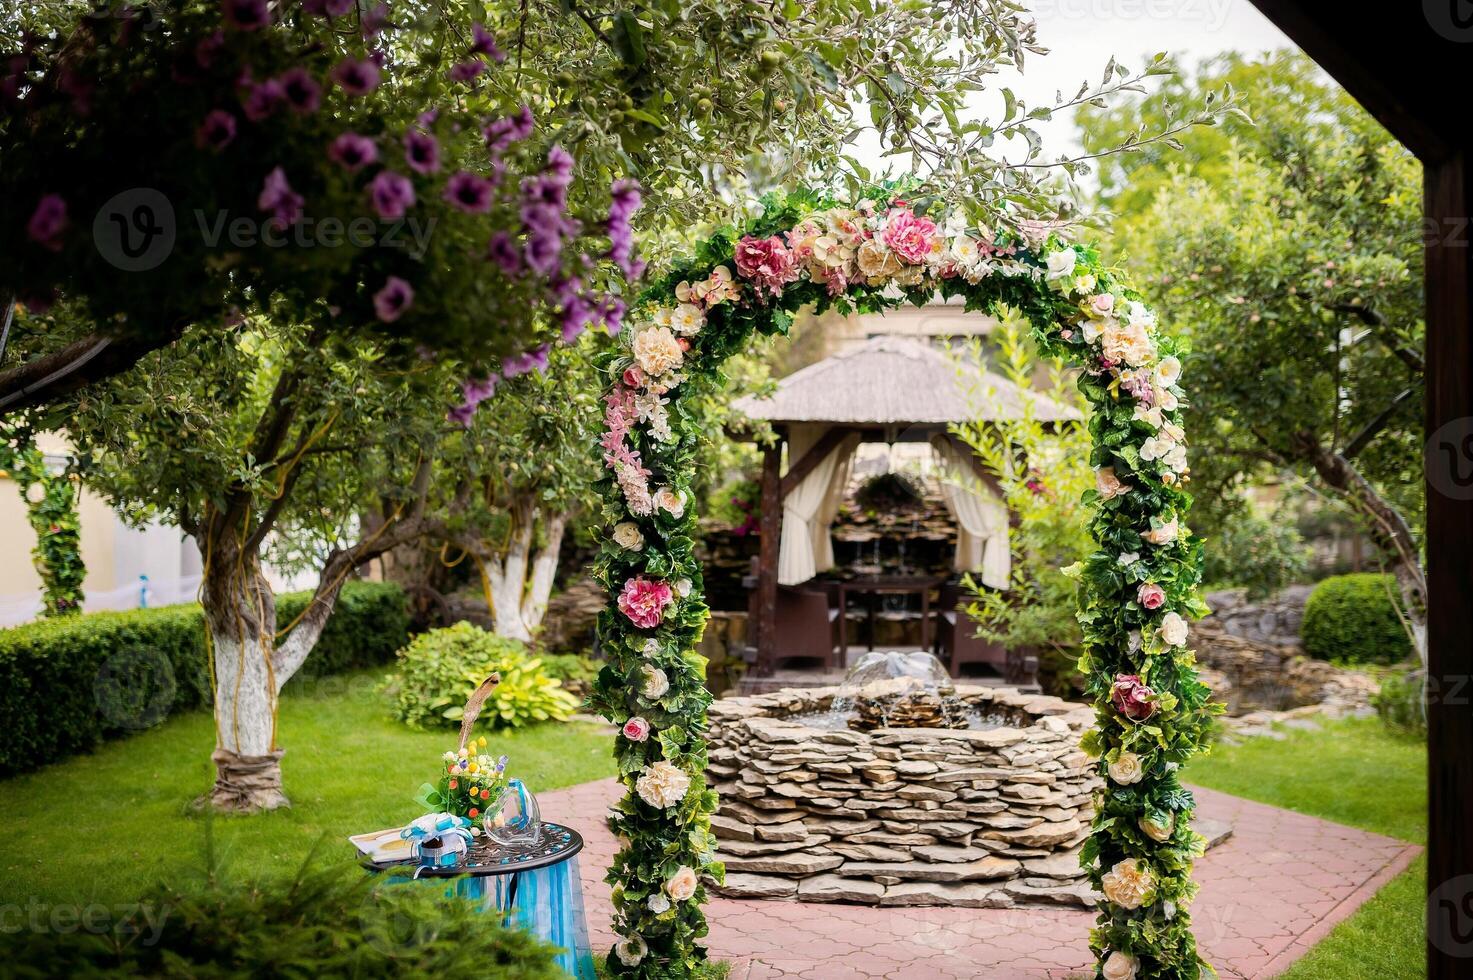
{"type": "Point", "coordinates": [903, 816]}
{"type": "Point", "coordinates": [1274, 620]}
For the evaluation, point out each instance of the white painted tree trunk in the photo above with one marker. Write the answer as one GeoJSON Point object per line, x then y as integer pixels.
{"type": "Point", "coordinates": [240, 612]}
{"type": "Point", "coordinates": [250, 670]}
{"type": "Point", "coordinates": [520, 580]}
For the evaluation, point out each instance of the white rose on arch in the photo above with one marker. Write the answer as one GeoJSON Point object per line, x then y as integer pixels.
{"type": "Point", "coordinates": [1061, 264]}
{"type": "Point", "coordinates": [1168, 370]}
{"type": "Point", "coordinates": [1173, 630]}
{"type": "Point", "coordinates": [631, 951]}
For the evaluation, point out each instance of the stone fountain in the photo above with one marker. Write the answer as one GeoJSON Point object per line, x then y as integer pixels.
{"type": "Point", "coordinates": [901, 788]}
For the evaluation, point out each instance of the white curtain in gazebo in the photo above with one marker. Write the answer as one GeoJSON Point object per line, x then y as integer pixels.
{"type": "Point", "coordinates": [823, 523]}
{"type": "Point", "coordinates": [810, 507]}
{"type": "Point", "coordinates": [980, 515]}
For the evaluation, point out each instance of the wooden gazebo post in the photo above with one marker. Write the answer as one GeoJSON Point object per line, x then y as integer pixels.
{"type": "Point", "coordinates": [1405, 62]}
{"type": "Point", "coordinates": [770, 531]}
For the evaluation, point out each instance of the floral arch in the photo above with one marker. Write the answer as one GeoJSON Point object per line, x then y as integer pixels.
{"type": "Point", "coordinates": [1136, 593]}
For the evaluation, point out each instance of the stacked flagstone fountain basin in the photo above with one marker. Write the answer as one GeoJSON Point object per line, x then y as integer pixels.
{"type": "Point", "coordinates": [824, 798]}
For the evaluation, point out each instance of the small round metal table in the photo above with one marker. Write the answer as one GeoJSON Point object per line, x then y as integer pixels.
{"type": "Point", "coordinates": [535, 888]}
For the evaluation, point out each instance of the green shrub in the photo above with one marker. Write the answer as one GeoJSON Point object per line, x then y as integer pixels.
{"type": "Point", "coordinates": [339, 923]}
{"type": "Point", "coordinates": [66, 684]}
{"type": "Point", "coordinates": [1399, 702]}
{"type": "Point", "coordinates": [1261, 555]}
{"type": "Point", "coordinates": [574, 671]}
{"type": "Point", "coordinates": [438, 670]}
{"type": "Point", "coordinates": [1354, 619]}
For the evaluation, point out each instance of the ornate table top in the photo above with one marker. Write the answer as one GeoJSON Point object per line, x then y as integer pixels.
{"type": "Point", "coordinates": [486, 858]}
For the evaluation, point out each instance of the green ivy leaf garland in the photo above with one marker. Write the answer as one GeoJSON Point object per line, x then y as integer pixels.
{"type": "Point", "coordinates": [1136, 592]}
{"type": "Point", "coordinates": [51, 499]}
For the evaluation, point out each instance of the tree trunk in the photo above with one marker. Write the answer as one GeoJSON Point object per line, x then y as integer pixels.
{"type": "Point", "coordinates": [240, 612]}
{"type": "Point", "coordinates": [1388, 530]}
{"type": "Point", "coordinates": [518, 580]}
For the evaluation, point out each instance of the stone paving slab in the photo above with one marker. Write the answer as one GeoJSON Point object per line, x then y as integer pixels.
{"type": "Point", "coordinates": [1268, 893]}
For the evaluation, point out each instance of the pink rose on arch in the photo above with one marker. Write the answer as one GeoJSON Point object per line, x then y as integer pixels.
{"type": "Point", "coordinates": [1132, 697]}
{"type": "Point", "coordinates": [1150, 595]}
{"type": "Point", "coordinates": [634, 376]}
{"type": "Point", "coordinates": [768, 262]}
{"type": "Point", "coordinates": [909, 235]}
{"type": "Point", "coordinates": [644, 600]}
{"type": "Point", "coordinates": [636, 729]}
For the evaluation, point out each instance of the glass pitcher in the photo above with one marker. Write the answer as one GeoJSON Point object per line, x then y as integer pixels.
{"type": "Point", "coordinates": [514, 819]}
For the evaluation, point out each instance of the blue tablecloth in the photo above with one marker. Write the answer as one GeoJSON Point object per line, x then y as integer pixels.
{"type": "Point", "coordinates": [548, 903]}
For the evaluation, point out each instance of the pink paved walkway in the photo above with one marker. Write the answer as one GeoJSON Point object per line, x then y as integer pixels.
{"type": "Point", "coordinates": [1272, 890]}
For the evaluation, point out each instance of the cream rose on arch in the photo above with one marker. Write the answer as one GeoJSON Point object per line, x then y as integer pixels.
{"type": "Point", "coordinates": [627, 535]}
{"type": "Point", "coordinates": [1127, 768]}
{"type": "Point", "coordinates": [682, 884]}
{"type": "Point", "coordinates": [1173, 630]}
{"type": "Point", "coordinates": [657, 350]}
{"type": "Point", "coordinates": [1126, 343]}
{"type": "Point", "coordinates": [1120, 965]}
{"type": "Point", "coordinates": [1128, 884]}
{"type": "Point", "coordinates": [662, 784]}
{"type": "Point", "coordinates": [671, 501]}
{"type": "Point", "coordinates": [1165, 534]}
{"type": "Point", "coordinates": [656, 684]}
{"type": "Point", "coordinates": [1108, 484]}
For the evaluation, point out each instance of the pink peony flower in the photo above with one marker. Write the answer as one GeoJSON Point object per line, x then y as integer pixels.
{"type": "Point", "coordinates": [768, 262]}
{"type": "Point", "coordinates": [644, 600]}
{"type": "Point", "coordinates": [1132, 698]}
{"type": "Point", "coordinates": [909, 235]}
{"type": "Point", "coordinates": [636, 729]}
{"type": "Point", "coordinates": [1150, 595]}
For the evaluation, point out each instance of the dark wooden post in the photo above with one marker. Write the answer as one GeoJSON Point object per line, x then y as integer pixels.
{"type": "Point", "coordinates": [1448, 196]}
{"type": "Point", "coordinates": [771, 529]}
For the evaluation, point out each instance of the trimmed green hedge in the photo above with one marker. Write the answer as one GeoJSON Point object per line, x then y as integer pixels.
{"type": "Point", "coordinates": [67, 684]}
{"type": "Point", "coordinates": [1353, 619]}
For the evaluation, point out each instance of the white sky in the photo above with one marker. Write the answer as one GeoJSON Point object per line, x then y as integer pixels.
{"type": "Point", "coordinates": [1082, 35]}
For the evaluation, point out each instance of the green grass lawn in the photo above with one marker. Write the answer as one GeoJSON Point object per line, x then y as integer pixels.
{"type": "Point", "coordinates": [112, 823]}
{"type": "Point", "coordinates": [1355, 773]}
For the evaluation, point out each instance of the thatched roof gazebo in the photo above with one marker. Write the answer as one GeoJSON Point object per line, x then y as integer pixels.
{"type": "Point", "coordinates": [891, 389]}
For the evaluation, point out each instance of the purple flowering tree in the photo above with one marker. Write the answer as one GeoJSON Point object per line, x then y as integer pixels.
{"type": "Point", "coordinates": [306, 209]}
